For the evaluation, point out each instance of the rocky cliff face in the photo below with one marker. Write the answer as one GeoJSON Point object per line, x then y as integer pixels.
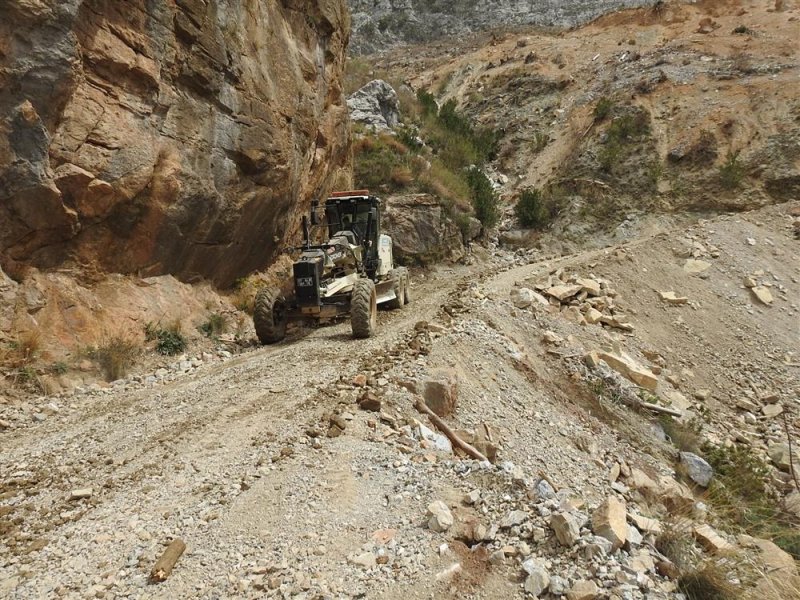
{"type": "Point", "coordinates": [381, 24]}
{"type": "Point", "coordinates": [160, 136]}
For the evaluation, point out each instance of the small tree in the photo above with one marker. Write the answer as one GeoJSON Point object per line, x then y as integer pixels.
{"type": "Point", "coordinates": [534, 209]}
{"type": "Point", "coordinates": [484, 198]}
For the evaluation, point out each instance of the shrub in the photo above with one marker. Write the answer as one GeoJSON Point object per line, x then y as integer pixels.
{"type": "Point", "coordinates": [629, 126]}
{"type": "Point", "coordinates": [484, 198]}
{"type": "Point", "coordinates": [677, 544]}
{"type": "Point", "coordinates": [540, 141]}
{"type": "Point", "coordinates": [378, 160]}
{"type": "Point", "coordinates": [603, 109]}
{"type": "Point", "coordinates": [215, 325]}
{"type": "Point", "coordinates": [609, 155]}
{"type": "Point", "coordinates": [27, 346]}
{"type": "Point", "coordinates": [684, 436]}
{"type": "Point", "coordinates": [535, 209]}
{"type": "Point", "coordinates": [60, 368]}
{"type": "Point", "coordinates": [709, 582]}
{"type": "Point", "coordinates": [428, 102]}
{"type": "Point", "coordinates": [116, 356]}
{"type": "Point", "coordinates": [731, 172]}
{"type": "Point", "coordinates": [170, 342]}
{"type": "Point", "coordinates": [739, 493]}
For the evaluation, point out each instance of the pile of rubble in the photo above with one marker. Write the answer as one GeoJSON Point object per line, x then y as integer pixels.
{"type": "Point", "coordinates": [582, 300]}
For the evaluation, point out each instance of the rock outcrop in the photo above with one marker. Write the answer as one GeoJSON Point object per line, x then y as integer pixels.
{"type": "Point", "coordinates": [375, 105]}
{"type": "Point", "coordinates": [421, 230]}
{"type": "Point", "coordinates": [154, 137]}
{"type": "Point", "coordinates": [381, 24]}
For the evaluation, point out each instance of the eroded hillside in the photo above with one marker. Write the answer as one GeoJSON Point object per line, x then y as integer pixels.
{"type": "Point", "coordinates": [673, 108]}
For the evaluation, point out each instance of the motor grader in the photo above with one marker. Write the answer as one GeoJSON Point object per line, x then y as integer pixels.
{"type": "Point", "coordinates": [349, 275]}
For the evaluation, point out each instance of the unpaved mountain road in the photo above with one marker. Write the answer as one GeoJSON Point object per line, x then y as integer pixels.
{"type": "Point", "coordinates": [177, 459]}
{"type": "Point", "coordinates": [234, 458]}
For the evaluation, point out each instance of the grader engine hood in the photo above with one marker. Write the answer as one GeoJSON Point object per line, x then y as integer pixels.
{"type": "Point", "coordinates": [308, 273]}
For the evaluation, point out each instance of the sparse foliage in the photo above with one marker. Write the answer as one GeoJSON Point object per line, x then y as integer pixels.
{"type": "Point", "coordinates": [535, 208]}
{"type": "Point", "coordinates": [708, 582]}
{"type": "Point", "coordinates": [60, 368]}
{"type": "Point", "coordinates": [116, 356]}
{"type": "Point", "coordinates": [484, 198]}
{"type": "Point", "coordinates": [215, 325]}
{"type": "Point", "coordinates": [603, 109]}
{"type": "Point", "coordinates": [540, 141]}
{"type": "Point", "coordinates": [731, 173]}
{"type": "Point", "coordinates": [169, 341]}
{"type": "Point", "coordinates": [740, 493]}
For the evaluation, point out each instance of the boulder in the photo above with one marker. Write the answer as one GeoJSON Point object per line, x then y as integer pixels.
{"type": "Point", "coordinates": [775, 559]}
{"type": "Point", "coordinates": [583, 590]}
{"type": "Point", "coordinates": [375, 105]}
{"type": "Point", "coordinates": [566, 528]}
{"type": "Point", "coordinates": [440, 518]}
{"type": "Point", "coordinates": [630, 369]}
{"type": "Point", "coordinates": [440, 392]}
{"type": "Point", "coordinates": [709, 539]}
{"type": "Point", "coordinates": [422, 231]}
{"type": "Point", "coordinates": [762, 294]}
{"type": "Point", "coordinates": [697, 469]}
{"type": "Point", "coordinates": [695, 267]}
{"type": "Point", "coordinates": [538, 578]}
{"type": "Point", "coordinates": [563, 292]}
{"type": "Point", "coordinates": [646, 524]}
{"type": "Point", "coordinates": [609, 521]}
{"type": "Point", "coordinates": [672, 298]}
{"type": "Point", "coordinates": [781, 458]}
{"type": "Point", "coordinates": [521, 297]}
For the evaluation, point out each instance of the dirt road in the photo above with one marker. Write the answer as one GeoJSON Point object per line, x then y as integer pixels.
{"type": "Point", "coordinates": [235, 459]}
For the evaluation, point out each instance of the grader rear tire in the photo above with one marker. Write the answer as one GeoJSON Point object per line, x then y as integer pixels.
{"type": "Point", "coordinates": [364, 309]}
{"type": "Point", "coordinates": [406, 295]}
{"type": "Point", "coordinates": [399, 288]}
{"type": "Point", "coordinates": [270, 315]}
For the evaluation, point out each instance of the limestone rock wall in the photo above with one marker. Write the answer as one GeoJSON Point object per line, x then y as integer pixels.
{"type": "Point", "coordinates": [166, 136]}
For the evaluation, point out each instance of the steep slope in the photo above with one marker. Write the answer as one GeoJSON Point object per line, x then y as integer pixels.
{"type": "Point", "coordinates": [379, 25]}
{"type": "Point", "coordinates": [166, 137]}
{"type": "Point", "coordinates": [646, 111]}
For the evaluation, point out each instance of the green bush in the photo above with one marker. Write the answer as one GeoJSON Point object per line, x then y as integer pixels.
{"type": "Point", "coordinates": [628, 126]}
{"type": "Point", "coordinates": [731, 173]}
{"type": "Point", "coordinates": [603, 108]}
{"type": "Point", "coordinates": [170, 342]}
{"type": "Point", "coordinates": [739, 492]}
{"type": "Point", "coordinates": [60, 368]}
{"type": "Point", "coordinates": [428, 102]}
{"type": "Point", "coordinates": [609, 155]}
{"type": "Point", "coordinates": [535, 209]}
{"type": "Point", "coordinates": [377, 158]}
{"type": "Point", "coordinates": [484, 198]}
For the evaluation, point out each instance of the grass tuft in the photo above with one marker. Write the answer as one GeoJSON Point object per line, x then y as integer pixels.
{"type": "Point", "coordinates": [708, 582]}
{"type": "Point", "coordinates": [215, 325]}
{"type": "Point", "coordinates": [116, 356]}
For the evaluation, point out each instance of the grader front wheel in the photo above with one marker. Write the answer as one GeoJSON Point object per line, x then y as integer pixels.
{"type": "Point", "coordinates": [364, 309]}
{"type": "Point", "coordinates": [270, 316]}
